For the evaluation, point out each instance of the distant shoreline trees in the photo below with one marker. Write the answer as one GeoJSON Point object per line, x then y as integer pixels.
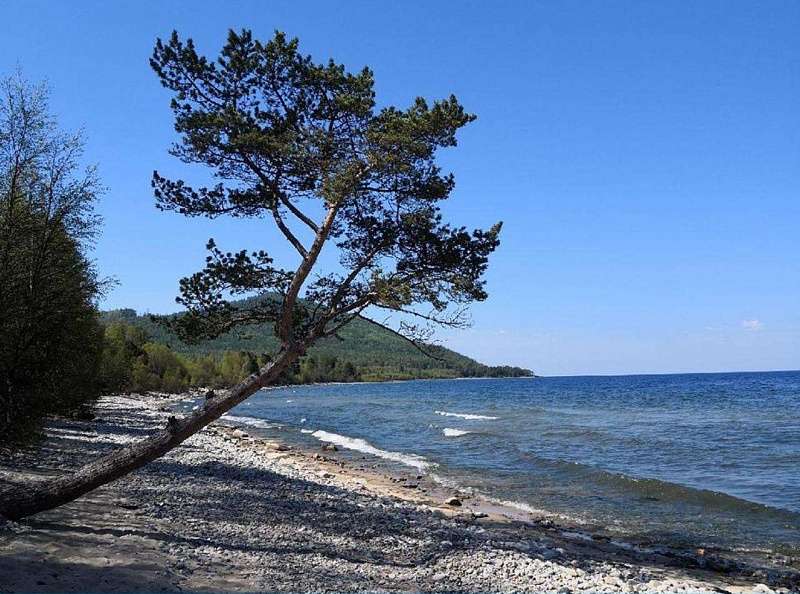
{"type": "Point", "coordinates": [208, 364]}
{"type": "Point", "coordinates": [131, 362]}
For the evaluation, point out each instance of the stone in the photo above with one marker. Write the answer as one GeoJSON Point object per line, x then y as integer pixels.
{"type": "Point", "coordinates": [453, 501]}
{"type": "Point", "coordinates": [330, 447]}
{"type": "Point", "coordinates": [282, 447]}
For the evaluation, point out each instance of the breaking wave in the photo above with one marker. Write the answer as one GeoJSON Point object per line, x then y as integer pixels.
{"type": "Point", "coordinates": [251, 422]}
{"type": "Point", "coordinates": [359, 445]}
{"type": "Point", "coordinates": [469, 417]}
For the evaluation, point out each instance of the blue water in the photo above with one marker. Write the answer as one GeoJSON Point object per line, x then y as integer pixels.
{"type": "Point", "coordinates": [699, 459]}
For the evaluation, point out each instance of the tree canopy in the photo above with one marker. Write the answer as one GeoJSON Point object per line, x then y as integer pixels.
{"type": "Point", "coordinates": [51, 339]}
{"type": "Point", "coordinates": [287, 138]}
{"type": "Point", "coordinates": [305, 145]}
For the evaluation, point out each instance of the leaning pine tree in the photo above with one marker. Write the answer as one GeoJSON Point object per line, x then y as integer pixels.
{"type": "Point", "coordinates": [303, 145]}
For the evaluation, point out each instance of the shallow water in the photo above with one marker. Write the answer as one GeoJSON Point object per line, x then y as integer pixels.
{"type": "Point", "coordinates": [700, 459]}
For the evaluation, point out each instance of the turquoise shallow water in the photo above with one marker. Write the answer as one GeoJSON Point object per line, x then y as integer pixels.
{"type": "Point", "coordinates": [701, 459]}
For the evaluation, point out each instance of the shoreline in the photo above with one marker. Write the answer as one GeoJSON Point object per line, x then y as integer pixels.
{"type": "Point", "coordinates": [229, 510]}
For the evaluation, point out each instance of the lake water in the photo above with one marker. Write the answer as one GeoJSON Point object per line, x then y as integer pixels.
{"type": "Point", "coordinates": [696, 459]}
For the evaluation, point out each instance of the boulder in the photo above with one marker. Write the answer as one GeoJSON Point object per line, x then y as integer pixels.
{"type": "Point", "coordinates": [454, 501]}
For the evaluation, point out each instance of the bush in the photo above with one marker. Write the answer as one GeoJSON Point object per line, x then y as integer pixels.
{"type": "Point", "coordinates": [52, 342]}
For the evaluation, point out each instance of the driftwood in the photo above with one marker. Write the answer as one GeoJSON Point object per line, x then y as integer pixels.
{"type": "Point", "coordinates": [28, 500]}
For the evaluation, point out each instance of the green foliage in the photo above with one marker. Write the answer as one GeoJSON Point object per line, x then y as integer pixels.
{"type": "Point", "coordinates": [326, 369]}
{"type": "Point", "coordinates": [288, 138]}
{"type": "Point", "coordinates": [123, 344]}
{"type": "Point", "coordinates": [365, 352]}
{"type": "Point", "coordinates": [51, 344]}
{"type": "Point", "coordinates": [132, 363]}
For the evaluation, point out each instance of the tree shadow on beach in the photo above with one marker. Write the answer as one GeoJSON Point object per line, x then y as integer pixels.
{"type": "Point", "coordinates": [29, 572]}
{"type": "Point", "coordinates": [243, 510]}
{"type": "Point", "coordinates": [260, 511]}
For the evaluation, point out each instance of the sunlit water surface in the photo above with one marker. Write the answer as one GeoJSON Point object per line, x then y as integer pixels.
{"type": "Point", "coordinates": [711, 459]}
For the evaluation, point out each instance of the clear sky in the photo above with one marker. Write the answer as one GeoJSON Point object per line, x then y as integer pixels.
{"type": "Point", "coordinates": [644, 156]}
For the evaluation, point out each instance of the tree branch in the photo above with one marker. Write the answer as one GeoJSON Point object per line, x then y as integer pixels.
{"type": "Point", "coordinates": [413, 342]}
{"type": "Point", "coordinates": [287, 232]}
{"type": "Point", "coordinates": [298, 213]}
{"type": "Point", "coordinates": [337, 297]}
{"type": "Point", "coordinates": [302, 272]}
{"type": "Point", "coordinates": [455, 321]}
{"type": "Point", "coordinates": [283, 199]}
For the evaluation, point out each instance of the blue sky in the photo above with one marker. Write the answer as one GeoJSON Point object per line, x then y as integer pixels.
{"type": "Point", "coordinates": [644, 156]}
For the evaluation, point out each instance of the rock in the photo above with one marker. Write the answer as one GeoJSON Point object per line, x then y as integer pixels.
{"type": "Point", "coordinates": [239, 433]}
{"type": "Point", "coordinates": [454, 501]}
{"type": "Point", "coordinates": [330, 447]}
{"type": "Point", "coordinates": [282, 447]}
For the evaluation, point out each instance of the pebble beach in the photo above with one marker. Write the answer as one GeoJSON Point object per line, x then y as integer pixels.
{"type": "Point", "coordinates": [229, 511]}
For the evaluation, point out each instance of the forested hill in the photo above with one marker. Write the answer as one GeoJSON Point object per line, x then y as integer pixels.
{"type": "Point", "coordinates": [376, 353]}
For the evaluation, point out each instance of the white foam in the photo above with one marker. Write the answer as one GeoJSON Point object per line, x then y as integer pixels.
{"type": "Point", "coordinates": [467, 416]}
{"type": "Point", "coordinates": [303, 420]}
{"type": "Point", "coordinates": [518, 505]}
{"type": "Point", "coordinates": [251, 421]}
{"type": "Point", "coordinates": [359, 445]}
{"type": "Point", "coordinates": [448, 432]}
{"type": "Point", "coordinates": [306, 431]}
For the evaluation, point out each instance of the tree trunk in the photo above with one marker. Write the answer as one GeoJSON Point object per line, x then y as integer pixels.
{"type": "Point", "coordinates": [28, 500]}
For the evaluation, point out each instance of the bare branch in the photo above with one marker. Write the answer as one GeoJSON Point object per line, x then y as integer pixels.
{"type": "Point", "coordinates": [287, 232]}
{"type": "Point", "coordinates": [299, 214]}
{"type": "Point", "coordinates": [458, 319]}
{"type": "Point", "coordinates": [302, 272]}
{"type": "Point", "coordinates": [413, 342]}
{"type": "Point", "coordinates": [357, 269]}
{"type": "Point", "coordinates": [347, 319]}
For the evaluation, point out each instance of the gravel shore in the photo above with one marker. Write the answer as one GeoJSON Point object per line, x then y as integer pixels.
{"type": "Point", "coordinates": [227, 511]}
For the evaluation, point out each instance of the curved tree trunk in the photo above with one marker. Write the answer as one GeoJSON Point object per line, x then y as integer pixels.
{"type": "Point", "coordinates": [26, 501]}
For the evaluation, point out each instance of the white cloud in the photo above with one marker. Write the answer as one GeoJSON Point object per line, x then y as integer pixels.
{"type": "Point", "coordinates": [752, 325]}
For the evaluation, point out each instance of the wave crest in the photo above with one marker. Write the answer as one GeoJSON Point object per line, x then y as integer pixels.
{"type": "Point", "coordinates": [468, 416]}
{"type": "Point", "coordinates": [360, 445]}
{"type": "Point", "coordinates": [251, 421]}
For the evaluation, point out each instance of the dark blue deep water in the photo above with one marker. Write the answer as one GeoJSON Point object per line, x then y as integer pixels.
{"type": "Point", "coordinates": [700, 459]}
